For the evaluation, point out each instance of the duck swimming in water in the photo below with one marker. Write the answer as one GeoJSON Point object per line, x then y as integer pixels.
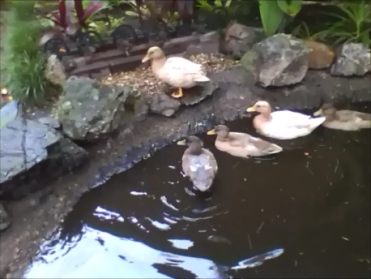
{"type": "Point", "coordinates": [175, 71]}
{"type": "Point", "coordinates": [346, 120]}
{"type": "Point", "coordinates": [283, 124]}
{"type": "Point", "coordinates": [198, 164]}
{"type": "Point", "coordinates": [242, 145]}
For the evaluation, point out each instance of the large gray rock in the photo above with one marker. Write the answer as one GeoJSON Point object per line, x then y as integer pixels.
{"type": "Point", "coordinates": [89, 110]}
{"type": "Point", "coordinates": [239, 38]}
{"type": "Point", "coordinates": [4, 218]}
{"type": "Point", "coordinates": [32, 153]}
{"type": "Point", "coordinates": [352, 60]}
{"type": "Point", "coordinates": [162, 104]}
{"type": "Point", "coordinates": [278, 60]}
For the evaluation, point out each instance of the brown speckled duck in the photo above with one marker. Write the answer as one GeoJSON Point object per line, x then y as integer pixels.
{"type": "Point", "coordinates": [346, 120]}
{"type": "Point", "coordinates": [175, 71]}
{"type": "Point", "coordinates": [198, 164]}
{"type": "Point", "coordinates": [242, 145]}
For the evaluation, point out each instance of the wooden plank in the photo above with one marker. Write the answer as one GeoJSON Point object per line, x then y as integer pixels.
{"type": "Point", "coordinates": [91, 67]}
{"type": "Point", "coordinates": [183, 41]}
{"type": "Point", "coordinates": [124, 61]}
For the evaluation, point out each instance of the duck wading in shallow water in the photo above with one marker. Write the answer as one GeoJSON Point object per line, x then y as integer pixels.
{"type": "Point", "coordinates": [346, 120]}
{"type": "Point", "coordinates": [198, 164]}
{"type": "Point", "coordinates": [242, 145]}
{"type": "Point", "coordinates": [175, 71]}
{"type": "Point", "coordinates": [283, 124]}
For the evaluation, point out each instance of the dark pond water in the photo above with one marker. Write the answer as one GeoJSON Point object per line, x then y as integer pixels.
{"type": "Point", "coordinates": [311, 202]}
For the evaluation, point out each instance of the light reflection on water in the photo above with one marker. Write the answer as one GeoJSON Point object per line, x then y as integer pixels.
{"type": "Point", "coordinates": [115, 258]}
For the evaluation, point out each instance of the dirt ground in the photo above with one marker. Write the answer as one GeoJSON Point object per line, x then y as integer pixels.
{"type": "Point", "coordinates": [37, 216]}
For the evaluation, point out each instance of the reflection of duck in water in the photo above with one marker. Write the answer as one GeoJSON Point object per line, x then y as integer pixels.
{"type": "Point", "coordinates": [175, 71]}
{"type": "Point", "coordinates": [198, 163]}
{"type": "Point", "coordinates": [346, 120]}
{"type": "Point", "coordinates": [240, 144]}
{"type": "Point", "coordinates": [283, 124]}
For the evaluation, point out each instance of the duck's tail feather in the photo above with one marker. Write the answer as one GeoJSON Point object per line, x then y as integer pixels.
{"type": "Point", "coordinates": [201, 78]}
{"type": "Point", "coordinates": [315, 122]}
{"type": "Point", "coordinates": [366, 124]}
{"type": "Point", "coordinates": [274, 148]}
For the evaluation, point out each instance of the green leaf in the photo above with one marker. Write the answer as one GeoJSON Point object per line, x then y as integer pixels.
{"type": "Point", "coordinates": [290, 7]}
{"type": "Point", "coordinates": [271, 16]}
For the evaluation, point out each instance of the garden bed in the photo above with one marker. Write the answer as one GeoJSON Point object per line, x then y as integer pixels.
{"type": "Point", "coordinates": [147, 118]}
{"type": "Point", "coordinates": [118, 154]}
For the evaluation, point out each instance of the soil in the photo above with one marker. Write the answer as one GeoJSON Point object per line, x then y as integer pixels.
{"type": "Point", "coordinates": [144, 80]}
{"type": "Point", "coordinates": [36, 217]}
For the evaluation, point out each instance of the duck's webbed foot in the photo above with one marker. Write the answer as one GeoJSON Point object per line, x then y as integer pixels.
{"type": "Point", "coordinates": [178, 94]}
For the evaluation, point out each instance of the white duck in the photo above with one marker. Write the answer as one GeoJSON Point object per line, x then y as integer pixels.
{"type": "Point", "coordinates": [175, 71]}
{"type": "Point", "coordinates": [283, 124]}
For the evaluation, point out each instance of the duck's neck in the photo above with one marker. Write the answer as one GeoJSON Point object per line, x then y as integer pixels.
{"type": "Point", "coordinates": [194, 150]}
{"type": "Point", "coordinates": [222, 138]}
{"type": "Point", "coordinates": [266, 116]}
{"type": "Point", "coordinates": [158, 63]}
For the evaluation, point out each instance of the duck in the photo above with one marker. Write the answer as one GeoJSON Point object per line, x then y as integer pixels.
{"type": "Point", "coordinates": [346, 120]}
{"type": "Point", "coordinates": [176, 71]}
{"type": "Point", "coordinates": [241, 144]}
{"type": "Point", "coordinates": [282, 124]}
{"type": "Point", "coordinates": [198, 164]}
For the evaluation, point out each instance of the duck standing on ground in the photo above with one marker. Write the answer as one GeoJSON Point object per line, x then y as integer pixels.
{"type": "Point", "coordinates": [283, 124]}
{"type": "Point", "coordinates": [242, 145]}
{"type": "Point", "coordinates": [346, 120]}
{"type": "Point", "coordinates": [175, 71]}
{"type": "Point", "coordinates": [198, 163]}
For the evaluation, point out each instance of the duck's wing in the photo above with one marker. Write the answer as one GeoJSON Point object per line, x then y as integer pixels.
{"type": "Point", "coordinates": [363, 116]}
{"type": "Point", "coordinates": [186, 164]}
{"type": "Point", "coordinates": [184, 65]}
{"type": "Point", "coordinates": [238, 139]}
{"type": "Point", "coordinates": [290, 118]}
{"type": "Point", "coordinates": [202, 170]}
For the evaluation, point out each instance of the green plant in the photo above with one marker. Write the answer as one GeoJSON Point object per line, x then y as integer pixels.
{"type": "Point", "coordinates": [352, 23]}
{"type": "Point", "coordinates": [149, 11]}
{"type": "Point", "coordinates": [27, 80]}
{"type": "Point", "coordinates": [22, 63]}
{"type": "Point", "coordinates": [302, 31]}
{"type": "Point", "coordinates": [273, 13]}
{"type": "Point", "coordinates": [105, 27]}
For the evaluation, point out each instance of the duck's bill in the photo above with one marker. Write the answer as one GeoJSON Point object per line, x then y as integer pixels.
{"type": "Point", "coordinates": [211, 132]}
{"type": "Point", "coordinates": [181, 142]}
{"type": "Point", "coordinates": [251, 109]}
{"type": "Point", "coordinates": [145, 59]}
{"type": "Point", "coordinates": [318, 113]}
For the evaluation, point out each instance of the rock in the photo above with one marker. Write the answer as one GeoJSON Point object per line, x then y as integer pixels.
{"type": "Point", "coordinates": [209, 43]}
{"type": "Point", "coordinates": [352, 60]}
{"type": "Point", "coordinates": [162, 104]}
{"type": "Point", "coordinates": [277, 61]}
{"type": "Point", "coordinates": [320, 57]}
{"type": "Point", "coordinates": [47, 155]}
{"type": "Point", "coordinates": [4, 219]}
{"type": "Point", "coordinates": [50, 121]}
{"type": "Point", "coordinates": [198, 93]}
{"type": "Point", "coordinates": [89, 110]}
{"type": "Point", "coordinates": [239, 38]}
{"type": "Point", "coordinates": [54, 71]}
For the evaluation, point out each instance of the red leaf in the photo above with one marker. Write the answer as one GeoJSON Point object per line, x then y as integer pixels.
{"type": "Point", "coordinates": [79, 11]}
{"type": "Point", "coordinates": [94, 7]}
{"type": "Point", "coordinates": [62, 13]}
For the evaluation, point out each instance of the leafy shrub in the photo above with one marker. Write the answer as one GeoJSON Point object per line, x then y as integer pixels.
{"type": "Point", "coordinates": [346, 22]}
{"type": "Point", "coordinates": [22, 63]}
{"type": "Point", "coordinates": [352, 23]}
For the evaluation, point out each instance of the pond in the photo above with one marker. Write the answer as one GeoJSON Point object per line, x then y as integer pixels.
{"type": "Point", "coordinates": [302, 213]}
